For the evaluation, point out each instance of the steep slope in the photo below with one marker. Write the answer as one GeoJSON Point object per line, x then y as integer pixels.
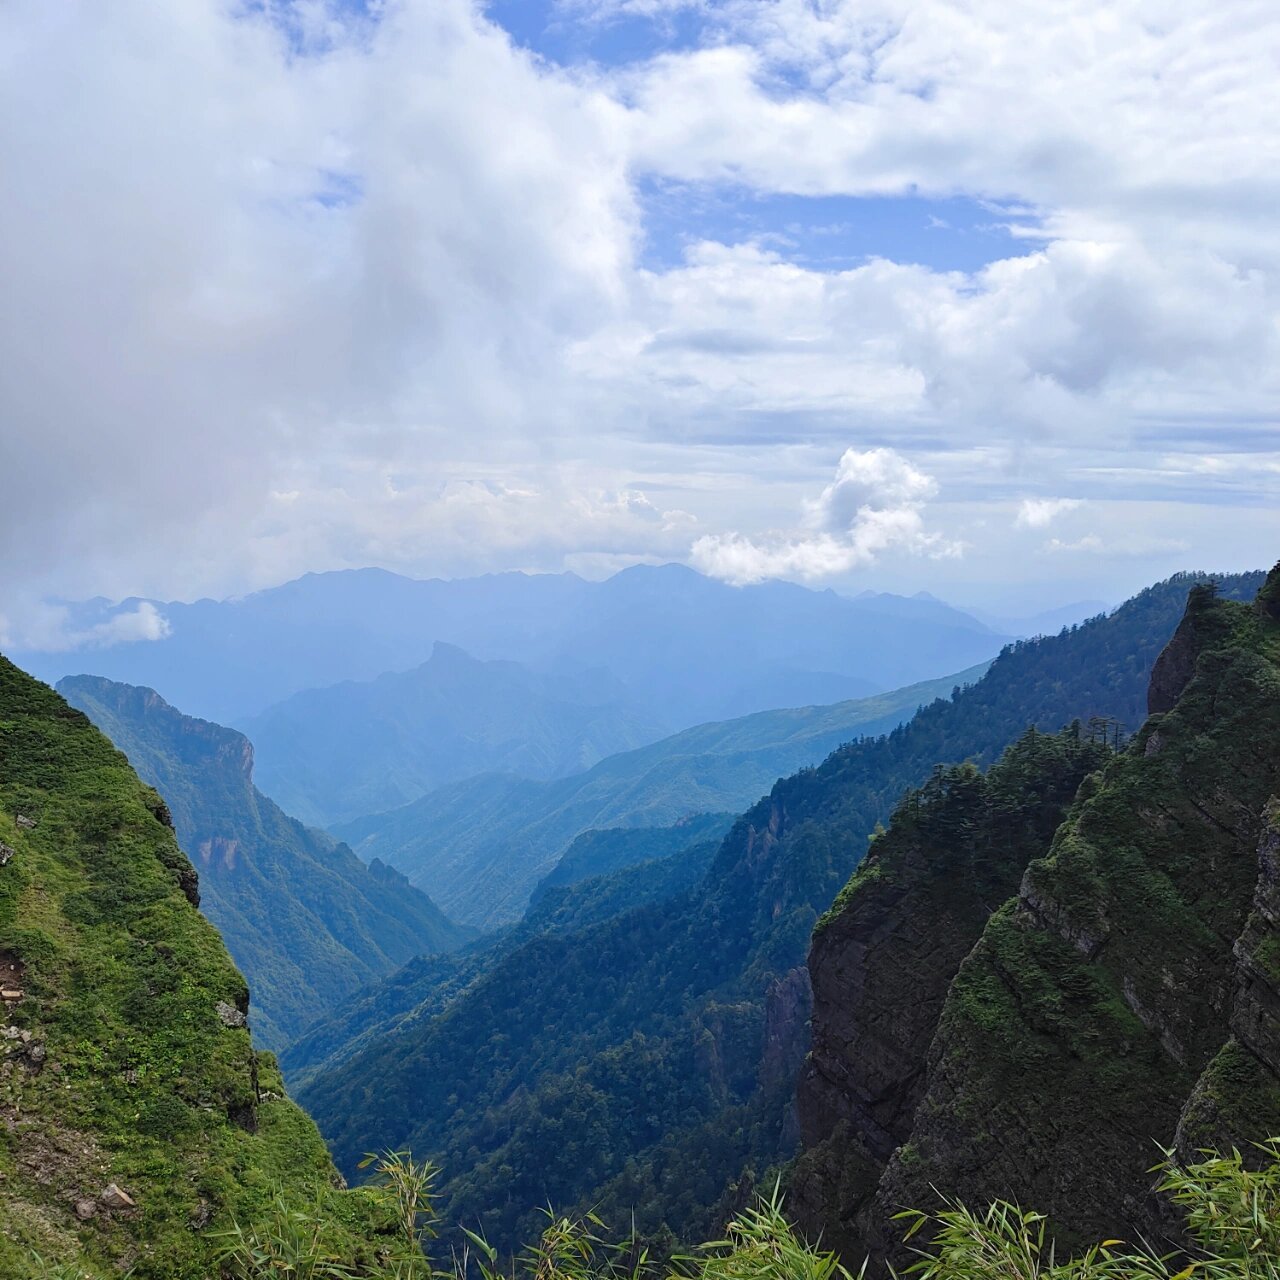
{"type": "Point", "coordinates": [646, 1062]}
{"type": "Point", "coordinates": [135, 1117]}
{"type": "Point", "coordinates": [333, 754]}
{"type": "Point", "coordinates": [1117, 994]}
{"type": "Point", "coordinates": [599, 853]}
{"type": "Point", "coordinates": [303, 917]}
{"type": "Point", "coordinates": [640, 865]}
{"type": "Point", "coordinates": [687, 648]}
{"type": "Point", "coordinates": [884, 956]}
{"type": "Point", "coordinates": [481, 845]}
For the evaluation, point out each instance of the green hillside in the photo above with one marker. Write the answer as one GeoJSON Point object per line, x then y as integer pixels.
{"type": "Point", "coordinates": [136, 1118]}
{"type": "Point", "coordinates": [636, 866]}
{"type": "Point", "coordinates": [648, 1062]}
{"type": "Point", "coordinates": [481, 846]}
{"type": "Point", "coordinates": [305, 920]}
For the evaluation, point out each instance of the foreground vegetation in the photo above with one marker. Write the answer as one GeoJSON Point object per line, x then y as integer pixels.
{"type": "Point", "coordinates": [1232, 1216]}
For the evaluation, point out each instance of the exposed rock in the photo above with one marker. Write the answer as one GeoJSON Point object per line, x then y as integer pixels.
{"type": "Point", "coordinates": [788, 1004]}
{"type": "Point", "coordinates": [1268, 601]}
{"type": "Point", "coordinates": [36, 1055]}
{"type": "Point", "coordinates": [1239, 1093]}
{"type": "Point", "coordinates": [244, 1116]}
{"type": "Point", "coordinates": [113, 1197]}
{"type": "Point", "coordinates": [1255, 1019]}
{"type": "Point", "coordinates": [159, 810]}
{"type": "Point", "coordinates": [184, 873]}
{"type": "Point", "coordinates": [1094, 1005]}
{"type": "Point", "coordinates": [27, 824]}
{"type": "Point", "coordinates": [201, 1216]}
{"type": "Point", "coordinates": [1177, 661]}
{"type": "Point", "coordinates": [86, 1209]}
{"type": "Point", "coordinates": [6, 852]}
{"type": "Point", "coordinates": [884, 960]}
{"type": "Point", "coordinates": [229, 1015]}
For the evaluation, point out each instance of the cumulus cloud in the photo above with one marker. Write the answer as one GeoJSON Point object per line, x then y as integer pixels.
{"type": "Point", "coordinates": [287, 287]}
{"type": "Point", "coordinates": [872, 505]}
{"type": "Point", "coordinates": [1039, 513]}
{"type": "Point", "coordinates": [51, 628]}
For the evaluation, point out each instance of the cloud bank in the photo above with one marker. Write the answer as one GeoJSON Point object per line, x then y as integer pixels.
{"type": "Point", "coordinates": [293, 287]}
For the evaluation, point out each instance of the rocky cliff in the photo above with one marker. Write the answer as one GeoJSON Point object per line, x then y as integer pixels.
{"type": "Point", "coordinates": [884, 957]}
{"type": "Point", "coordinates": [305, 920]}
{"type": "Point", "coordinates": [1124, 994]}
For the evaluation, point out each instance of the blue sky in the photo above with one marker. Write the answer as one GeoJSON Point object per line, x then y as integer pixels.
{"type": "Point", "coordinates": [971, 297]}
{"type": "Point", "coordinates": [828, 232]}
{"type": "Point", "coordinates": [571, 36]}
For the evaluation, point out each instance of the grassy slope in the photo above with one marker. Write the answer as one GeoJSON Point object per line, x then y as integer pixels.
{"type": "Point", "coordinates": [304, 919]}
{"type": "Point", "coordinates": [142, 1083]}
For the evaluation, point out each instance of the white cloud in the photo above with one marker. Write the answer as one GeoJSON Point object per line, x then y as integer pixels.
{"type": "Point", "coordinates": [869, 480]}
{"type": "Point", "coordinates": [368, 291]}
{"type": "Point", "coordinates": [1039, 513]}
{"type": "Point", "coordinates": [50, 628]}
{"type": "Point", "coordinates": [872, 506]}
{"type": "Point", "coordinates": [1124, 546]}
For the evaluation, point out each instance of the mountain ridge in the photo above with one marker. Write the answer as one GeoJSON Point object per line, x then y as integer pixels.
{"type": "Point", "coordinates": [306, 920]}
{"type": "Point", "coordinates": [1093, 1018]}
{"type": "Point", "coordinates": [688, 648]}
{"type": "Point", "coordinates": [648, 1063]}
{"type": "Point", "coordinates": [484, 823]}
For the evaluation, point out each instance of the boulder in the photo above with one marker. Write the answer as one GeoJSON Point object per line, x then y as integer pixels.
{"type": "Point", "coordinates": [113, 1197]}
{"type": "Point", "coordinates": [229, 1015]}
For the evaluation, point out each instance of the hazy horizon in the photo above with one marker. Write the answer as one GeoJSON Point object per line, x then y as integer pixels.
{"type": "Point", "coordinates": [905, 295]}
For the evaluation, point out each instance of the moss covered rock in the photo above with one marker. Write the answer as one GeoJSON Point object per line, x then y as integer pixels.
{"type": "Point", "coordinates": [134, 1121]}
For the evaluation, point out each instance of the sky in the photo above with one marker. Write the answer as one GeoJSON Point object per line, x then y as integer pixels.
{"type": "Point", "coordinates": [979, 298]}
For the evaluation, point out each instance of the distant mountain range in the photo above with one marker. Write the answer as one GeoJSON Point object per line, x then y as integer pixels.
{"type": "Point", "coordinates": [481, 845]}
{"type": "Point", "coordinates": [681, 648]}
{"type": "Point", "coordinates": [329, 755]}
{"type": "Point", "coordinates": [305, 919]}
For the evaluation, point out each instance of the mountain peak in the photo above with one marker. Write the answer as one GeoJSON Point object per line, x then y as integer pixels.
{"type": "Point", "coordinates": [195, 740]}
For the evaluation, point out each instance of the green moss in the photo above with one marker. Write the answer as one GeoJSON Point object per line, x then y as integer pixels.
{"type": "Point", "coordinates": [142, 1084]}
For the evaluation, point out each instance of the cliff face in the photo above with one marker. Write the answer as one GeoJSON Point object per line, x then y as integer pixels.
{"type": "Point", "coordinates": [885, 955]}
{"type": "Point", "coordinates": [303, 917]}
{"type": "Point", "coordinates": [136, 1118]}
{"type": "Point", "coordinates": [1238, 1096]}
{"type": "Point", "coordinates": [1128, 986]}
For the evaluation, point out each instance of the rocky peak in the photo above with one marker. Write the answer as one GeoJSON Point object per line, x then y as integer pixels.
{"type": "Point", "coordinates": [1177, 661]}
{"type": "Point", "coordinates": [1268, 601]}
{"type": "Point", "coordinates": [194, 741]}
